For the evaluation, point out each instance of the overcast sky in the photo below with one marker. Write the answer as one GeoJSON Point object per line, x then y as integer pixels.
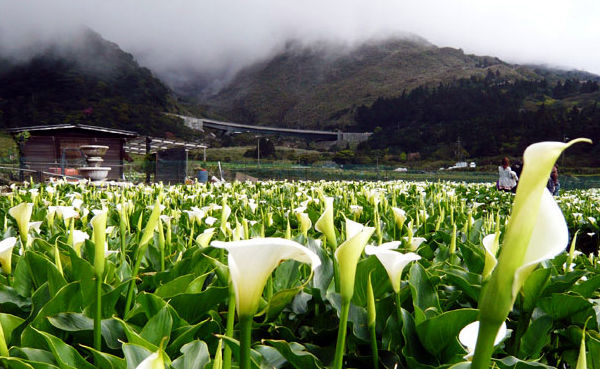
{"type": "Point", "coordinates": [219, 35]}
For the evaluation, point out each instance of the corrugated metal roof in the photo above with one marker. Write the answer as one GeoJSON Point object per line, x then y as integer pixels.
{"type": "Point", "coordinates": [120, 132]}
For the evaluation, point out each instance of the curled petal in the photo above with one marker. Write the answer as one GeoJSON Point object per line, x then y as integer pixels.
{"type": "Point", "coordinates": [6, 247]}
{"type": "Point", "coordinates": [325, 223]}
{"type": "Point", "coordinates": [468, 336]}
{"type": "Point", "coordinates": [393, 261]}
{"type": "Point", "coordinates": [251, 262]}
{"type": "Point", "coordinates": [347, 256]}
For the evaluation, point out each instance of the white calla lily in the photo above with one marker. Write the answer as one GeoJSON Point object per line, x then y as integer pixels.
{"type": "Point", "coordinates": [468, 337]}
{"type": "Point", "coordinates": [22, 214]}
{"type": "Point", "coordinates": [251, 262]}
{"type": "Point", "coordinates": [399, 217]}
{"type": "Point", "coordinates": [393, 261]}
{"type": "Point", "coordinates": [99, 233]}
{"type": "Point", "coordinates": [536, 231]}
{"type": "Point", "coordinates": [325, 223]}
{"type": "Point", "coordinates": [304, 222]}
{"type": "Point", "coordinates": [490, 245]}
{"type": "Point", "coordinates": [6, 247]}
{"type": "Point", "coordinates": [348, 254]}
{"type": "Point", "coordinates": [79, 238]}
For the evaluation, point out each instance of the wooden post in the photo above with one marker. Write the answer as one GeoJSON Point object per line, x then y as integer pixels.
{"type": "Point", "coordinates": [147, 159]}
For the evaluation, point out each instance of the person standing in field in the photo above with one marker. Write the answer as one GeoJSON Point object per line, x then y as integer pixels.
{"type": "Point", "coordinates": [507, 178]}
{"type": "Point", "coordinates": [553, 183]}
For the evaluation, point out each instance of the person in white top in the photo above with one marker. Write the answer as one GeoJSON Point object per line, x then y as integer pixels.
{"type": "Point", "coordinates": [507, 178]}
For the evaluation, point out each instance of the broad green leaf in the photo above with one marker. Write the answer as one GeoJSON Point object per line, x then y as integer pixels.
{"type": "Point", "coordinates": [195, 355]}
{"type": "Point", "coordinates": [536, 337]}
{"type": "Point", "coordinates": [296, 354]}
{"type": "Point", "coordinates": [194, 307]}
{"type": "Point", "coordinates": [533, 287]}
{"type": "Point", "coordinates": [16, 363]}
{"type": "Point", "coordinates": [562, 306]}
{"type": "Point", "coordinates": [103, 360]}
{"type": "Point", "coordinates": [425, 298]}
{"type": "Point", "coordinates": [440, 331]}
{"type": "Point", "coordinates": [9, 323]}
{"type": "Point", "coordinates": [158, 327]}
{"type": "Point", "coordinates": [111, 329]}
{"type": "Point", "coordinates": [204, 330]}
{"type": "Point", "coordinates": [134, 354]}
{"type": "Point", "coordinates": [278, 302]}
{"type": "Point", "coordinates": [66, 356]}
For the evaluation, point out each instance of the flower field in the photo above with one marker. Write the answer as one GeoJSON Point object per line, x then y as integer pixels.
{"type": "Point", "coordinates": [300, 275]}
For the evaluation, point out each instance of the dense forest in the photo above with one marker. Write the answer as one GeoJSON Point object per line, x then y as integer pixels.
{"type": "Point", "coordinates": [489, 116]}
{"type": "Point", "coordinates": [92, 82]}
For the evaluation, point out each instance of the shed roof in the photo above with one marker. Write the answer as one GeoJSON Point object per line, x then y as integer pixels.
{"type": "Point", "coordinates": [55, 127]}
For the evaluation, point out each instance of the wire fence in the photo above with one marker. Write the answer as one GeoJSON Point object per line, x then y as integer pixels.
{"type": "Point", "coordinates": [136, 173]}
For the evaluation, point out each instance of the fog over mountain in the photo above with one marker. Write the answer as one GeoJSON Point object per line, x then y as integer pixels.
{"type": "Point", "coordinates": [186, 40]}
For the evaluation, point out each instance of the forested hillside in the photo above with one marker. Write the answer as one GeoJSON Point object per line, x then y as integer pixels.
{"type": "Point", "coordinates": [89, 81]}
{"type": "Point", "coordinates": [490, 116]}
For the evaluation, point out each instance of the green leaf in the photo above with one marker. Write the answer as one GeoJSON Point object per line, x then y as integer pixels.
{"type": "Point", "coordinates": [175, 287]}
{"type": "Point", "coordinates": [16, 363]}
{"type": "Point", "coordinates": [439, 332]}
{"type": "Point", "coordinates": [33, 354]}
{"type": "Point", "coordinates": [425, 298]}
{"type": "Point", "coordinates": [195, 356]}
{"type": "Point", "coordinates": [587, 288]}
{"type": "Point", "coordinates": [134, 338]}
{"type": "Point", "coordinates": [9, 323]}
{"type": "Point", "coordinates": [204, 330]}
{"type": "Point", "coordinates": [158, 327]}
{"type": "Point", "coordinates": [103, 360]}
{"type": "Point", "coordinates": [534, 286]}
{"type": "Point", "coordinates": [111, 329]}
{"type": "Point", "coordinates": [255, 358]}
{"type": "Point", "coordinates": [296, 354]}
{"type": "Point", "coordinates": [278, 302]}
{"type": "Point", "coordinates": [536, 337]}
{"type": "Point", "coordinates": [572, 307]}
{"type": "Point", "coordinates": [324, 273]}
{"type": "Point", "coordinates": [134, 354]}
{"type": "Point", "coordinates": [193, 307]}
{"type": "Point", "coordinates": [357, 316]}
{"type": "Point", "coordinates": [514, 363]}
{"type": "Point", "coordinates": [66, 356]}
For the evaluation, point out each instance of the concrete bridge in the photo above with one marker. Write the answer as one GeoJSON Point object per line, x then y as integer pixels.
{"type": "Point", "coordinates": [316, 135]}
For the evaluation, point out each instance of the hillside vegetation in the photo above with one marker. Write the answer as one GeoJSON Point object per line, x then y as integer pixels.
{"type": "Point", "coordinates": [323, 85]}
{"type": "Point", "coordinates": [90, 81]}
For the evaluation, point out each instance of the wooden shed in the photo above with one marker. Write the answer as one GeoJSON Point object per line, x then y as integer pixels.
{"type": "Point", "coordinates": [55, 148]}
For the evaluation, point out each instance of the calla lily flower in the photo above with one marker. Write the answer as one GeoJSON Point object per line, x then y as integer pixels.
{"type": "Point", "coordinates": [490, 244]}
{"type": "Point", "coordinates": [79, 238]}
{"type": "Point", "coordinates": [414, 242]}
{"type": "Point", "coordinates": [399, 217]}
{"type": "Point", "coordinates": [195, 215]}
{"type": "Point", "coordinates": [325, 223]}
{"type": "Point", "coordinates": [154, 361]}
{"type": "Point", "coordinates": [536, 231]}
{"type": "Point", "coordinates": [35, 226]}
{"type": "Point", "coordinates": [468, 337]}
{"type": "Point", "coordinates": [204, 238]}
{"type": "Point", "coordinates": [251, 262]}
{"type": "Point", "coordinates": [99, 226]}
{"type": "Point", "coordinates": [348, 254]}
{"type": "Point", "coordinates": [393, 261]}
{"type": "Point", "coordinates": [304, 222]}
{"type": "Point", "coordinates": [22, 214]}
{"type": "Point", "coordinates": [6, 247]}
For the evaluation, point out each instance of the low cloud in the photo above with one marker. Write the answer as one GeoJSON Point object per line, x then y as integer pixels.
{"type": "Point", "coordinates": [179, 38]}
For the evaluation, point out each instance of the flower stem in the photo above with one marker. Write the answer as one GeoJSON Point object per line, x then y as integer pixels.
{"type": "Point", "coordinates": [399, 308]}
{"type": "Point", "coordinates": [136, 269]}
{"type": "Point", "coordinates": [485, 344]}
{"type": "Point", "coordinates": [229, 327]}
{"type": "Point", "coordinates": [98, 315]}
{"type": "Point", "coordinates": [245, 341]}
{"type": "Point", "coordinates": [341, 338]}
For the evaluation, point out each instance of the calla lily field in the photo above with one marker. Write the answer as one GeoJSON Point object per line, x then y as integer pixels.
{"type": "Point", "coordinates": [279, 274]}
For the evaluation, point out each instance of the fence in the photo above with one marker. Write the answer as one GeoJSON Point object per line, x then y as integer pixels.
{"type": "Point", "coordinates": [134, 172]}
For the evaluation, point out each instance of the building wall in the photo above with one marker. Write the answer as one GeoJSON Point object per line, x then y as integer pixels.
{"type": "Point", "coordinates": [45, 152]}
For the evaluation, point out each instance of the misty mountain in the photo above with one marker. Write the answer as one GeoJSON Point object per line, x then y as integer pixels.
{"type": "Point", "coordinates": [88, 80]}
{"type": "Point", "coordinates": [322, 85]}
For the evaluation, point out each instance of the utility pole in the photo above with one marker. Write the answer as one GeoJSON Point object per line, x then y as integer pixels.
{"type": "Point", "coordinates": [258, 152]}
